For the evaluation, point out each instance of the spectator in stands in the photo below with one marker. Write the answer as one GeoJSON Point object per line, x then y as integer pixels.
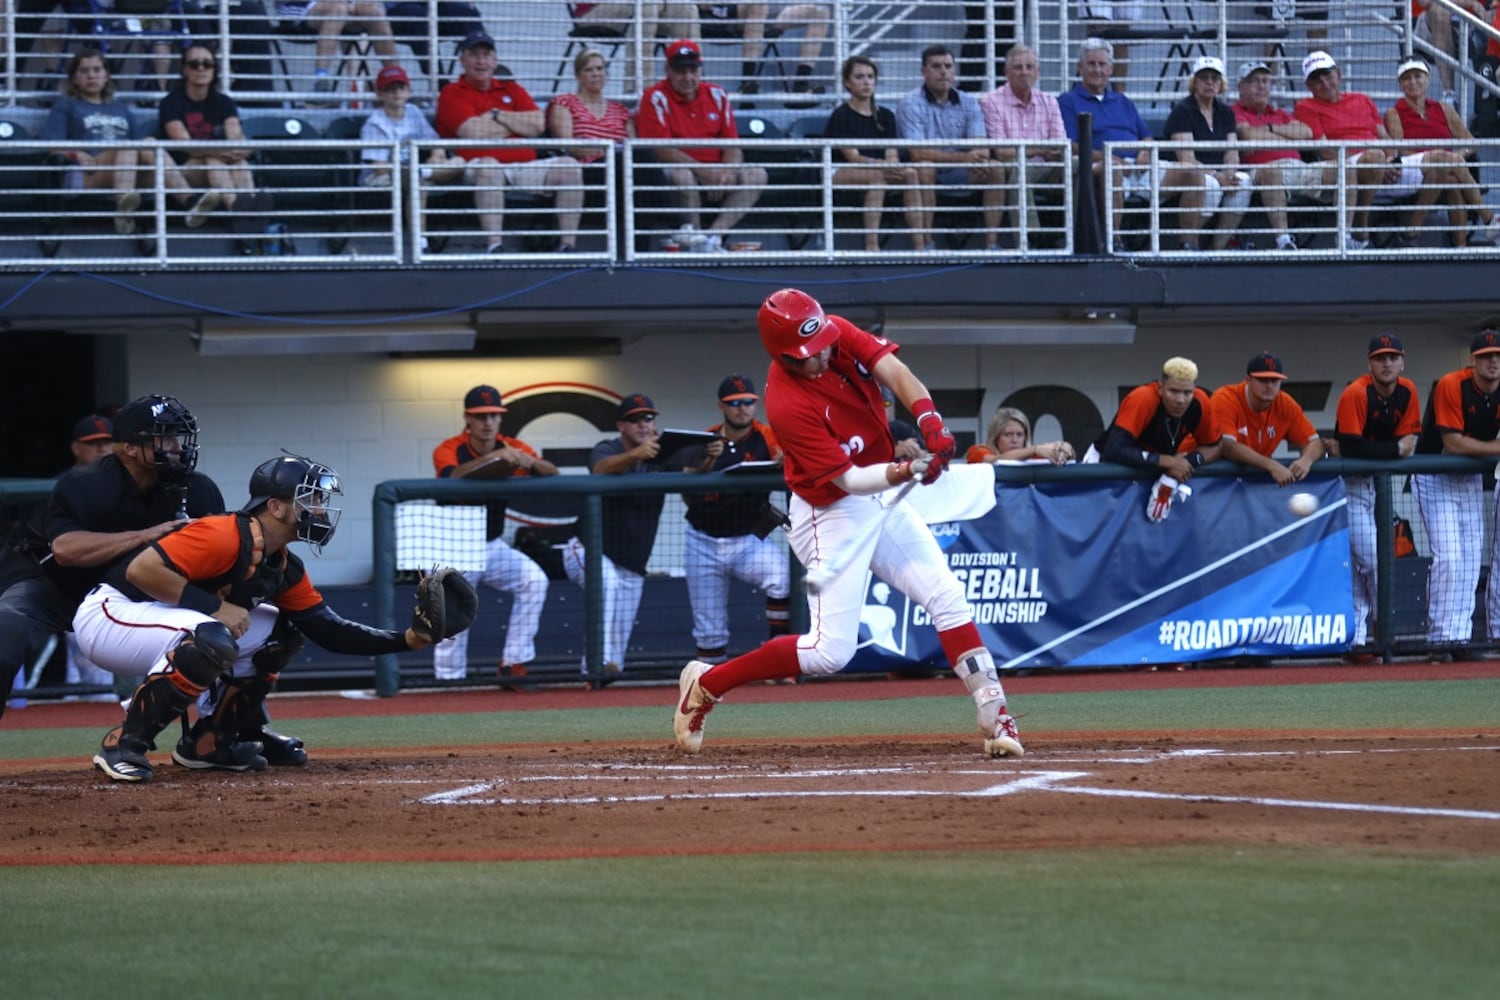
{"type": "Point", "coordinates": [1433, 22]}
{"type": "Point", "coordinates": [721, 540]}
{"type": "Point", "coordinates": [587, 113]}
{"type": "Point", "coordinates": [753, 21]}
{"type": "Point", "coordinates": [479, 106]}
{"type": "Point", "coordinates": [1256, 415]}
{"type": "Point", "coordinates": [482, 452]}
{"type": "Point", "coordinates": [1201, 117]}
{"type": "Point", "coordinates": [1335, 114]}
{"type": "Point", "coordinates": [685, 106]}
{"type": "Point", "coordinates": [409, 23]}
{"type": "Point", "coordinates": [657, 19]}
{"type": "Point", "coordinates": [630, 524]}
{"type": "Point", "coordinates": [1117, 120]}
{"type": "Point", "coordinates": [908, 442]}
{"type": "Point", "coordinates": [1007, 437]}
{"type": "Point", "coordinates": [195, 110]}
{"type": "Point", "coordinates": [1276, 173]}
{"type": "Point", "coordinates": [88, 110]}
{"type": "Point", "coordinates": [394, 121]}
{"type": "Point", "coordinates": [1378, 417]}
{"type": "Point", "coordinates": [873, 169]}
{"type": "Point", "coordinates": [328, 19]}
{"type": "Point", "coordinates": [1017, 110]}
{"type": "Point", "coordinates": [1462, 418]}
{"type": "Point", "coordinates": [1440, 171]}
{"type": "Point", "coordinates": [1169, 424]}
{"type": "Point", "coordinates": [937, 112]}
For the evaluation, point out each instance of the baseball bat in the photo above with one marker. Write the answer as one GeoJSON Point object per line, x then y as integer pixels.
{"type": "Point", "coordinates": [825, 572]}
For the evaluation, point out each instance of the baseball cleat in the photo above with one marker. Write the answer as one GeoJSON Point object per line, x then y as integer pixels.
{"type": "Point", "coordinates": [1006, 742]}
{"type": "Point", "coordinates": [124, 759]}
{"type": "Point", "coordinates": [242, 756]}
{"type": "Point", "coordinates": [693, 706]}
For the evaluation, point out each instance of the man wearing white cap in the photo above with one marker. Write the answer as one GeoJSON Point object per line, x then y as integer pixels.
{"type": "Point", "coordinates": [1201, 117]}
{"type": "Point", "coordinates": [1333, 113]}
{"type": "Point", "coordinates": [1276, 173]}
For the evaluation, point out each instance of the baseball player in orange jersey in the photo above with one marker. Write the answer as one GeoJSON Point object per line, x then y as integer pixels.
{"type": "Point", "coordinates": [1378, 417]}
{"type": "Point", "coordinates": [1462, 418]}
{"type": "Point", "coordinates": [213, 605]}
{"type": "Point", "coordinates": [823, 403]}
{"type": "Point", "coordinates": [1254, 416]}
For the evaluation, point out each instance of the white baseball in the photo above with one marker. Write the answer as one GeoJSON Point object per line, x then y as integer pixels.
{"type": "Point", "coordinates": [1302, 504]}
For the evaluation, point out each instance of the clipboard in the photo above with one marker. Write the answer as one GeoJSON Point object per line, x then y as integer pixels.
{"type": "Point", "coordinates": [753, 466]}
{"type": "Point", "coordinates": [674, 442]}
{"type": "Point", "coordinates": [498, 468]}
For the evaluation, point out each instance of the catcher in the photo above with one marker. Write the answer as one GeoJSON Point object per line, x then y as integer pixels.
{"type": "Point", "coordinates": [220, 606]}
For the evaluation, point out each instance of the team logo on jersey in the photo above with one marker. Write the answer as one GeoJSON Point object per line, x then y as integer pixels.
{"type": "Point", "coordinates": [810, 326]}
{"type": "Point", "coordinates": [853, 446]}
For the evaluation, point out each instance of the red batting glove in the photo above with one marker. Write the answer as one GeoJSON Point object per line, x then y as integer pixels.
{"type": "Point", "coordinates": [935, 466]}
{"type": "Point", "coordinates": [936, 437]}
{"type": "Point", "coordinates": [1159, 501]}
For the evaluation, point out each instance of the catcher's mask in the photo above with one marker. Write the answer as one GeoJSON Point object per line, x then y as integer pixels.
{"type": "Point", "coordinates": [166, 429]}
{"type": "Point", "coordinates": [310, 486]}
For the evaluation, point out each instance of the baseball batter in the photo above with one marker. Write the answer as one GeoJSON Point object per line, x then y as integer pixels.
{"type": "Point", "coordinates": [823, 402]}
{"type": "Point", "coordinates": [720, 540]}
{"type": "Point", "coordinates": [221, 603]}
{"type": "Point", "coordinates": [1378, 417]}
{"type": "Point", "coordinates": [1462, 418]}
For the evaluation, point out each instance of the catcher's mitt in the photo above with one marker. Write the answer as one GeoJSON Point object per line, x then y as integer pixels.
{"type": "Point", "coordinates": [446, 604]}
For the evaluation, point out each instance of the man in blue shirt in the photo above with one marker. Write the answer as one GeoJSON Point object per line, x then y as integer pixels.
{"type": "Point", "coordinates": [1115, 120]}
{"type": "Point", "coordinates": [939, 111]}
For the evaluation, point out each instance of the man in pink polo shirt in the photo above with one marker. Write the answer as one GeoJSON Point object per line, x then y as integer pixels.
{"type": "Point", "coordinates": [1017, 110]}
{"type": "Point", "coordinates": [685, 106]}
{"type": "Point", "coordinates": [1332, 113]}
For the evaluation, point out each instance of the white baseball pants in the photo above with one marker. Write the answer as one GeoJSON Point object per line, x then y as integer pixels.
{"type": "Point", "coordinates": [516, 574]}
{"type": "Point", "coordinates": [1363, 534]}
{"type": "Point", "coordinates": [1452, 509]}
{"type": "Point", "coordinates": [709, 563]}
{"type": "Point", "coordinates": [622, 599]}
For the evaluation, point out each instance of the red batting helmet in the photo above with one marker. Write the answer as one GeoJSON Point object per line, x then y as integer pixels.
{"type": "Point", "coordinates": [793, 325]}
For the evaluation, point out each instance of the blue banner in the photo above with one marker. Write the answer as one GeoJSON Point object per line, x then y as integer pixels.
{"type": "Point", "coordinates": [1076, 575]}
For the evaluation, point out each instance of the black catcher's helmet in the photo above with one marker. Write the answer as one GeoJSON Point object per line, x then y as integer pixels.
{"type": "Point", "coordinates": [166, 428]}
{"type": "Point", "coordinates": [310, 486]}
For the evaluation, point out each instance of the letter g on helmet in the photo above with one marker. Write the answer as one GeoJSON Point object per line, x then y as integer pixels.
{"type": "Point", "coordinates": [793, 325]}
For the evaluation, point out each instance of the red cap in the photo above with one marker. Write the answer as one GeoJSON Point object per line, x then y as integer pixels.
{"type": "Point", "coordinates": [391, 75]}
{"type": "Point", "coordinates": [683, 53]}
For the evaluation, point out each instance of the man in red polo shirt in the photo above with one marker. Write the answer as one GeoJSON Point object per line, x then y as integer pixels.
{"type": "Point", "coordinates": [478, 106]}
{"type": "Point", "coordinates": [1277, 172]}
{"type": "Point", "coordinates": [684, 106]}
{"type": "Point", "coordinates": [1333, 114]}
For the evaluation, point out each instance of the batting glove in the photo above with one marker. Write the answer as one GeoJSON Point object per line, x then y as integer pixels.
{"type": "Point", "coordinates": [1159, 502]}
{"type": "Point", "coordinates": [936, 437]}
{"type": "Point", "coordinates": [917, 468]}
{"type": "Point", "coordinates": [935, 466]}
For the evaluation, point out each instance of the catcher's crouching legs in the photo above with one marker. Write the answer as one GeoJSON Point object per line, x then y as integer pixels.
{"type": "Point", "coordinates": [240, 702]}
{"type": "Point", "coordinates": [191, 666]}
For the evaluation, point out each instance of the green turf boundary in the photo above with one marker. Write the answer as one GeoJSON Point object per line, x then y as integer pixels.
{"type": "Point", "coordinates": [1166, 924]}
{"type": "Point", "coordinates": [1455, 704]}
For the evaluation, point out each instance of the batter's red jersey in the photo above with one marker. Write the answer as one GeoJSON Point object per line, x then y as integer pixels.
{"type": "Point", "coordinates": [225, 554]}
{"type": "Point", "coordinates": [831, 423]}
{"type": "Point", "coordinates": [665, 115]}
{"type": "Point", "coordinates": [1261, 432]}
{"type": "Point", "coordinates": [461, 100]}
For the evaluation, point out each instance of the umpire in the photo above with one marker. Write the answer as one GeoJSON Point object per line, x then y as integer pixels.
{"type": "Point", "coordinates": [720, 537]}
{"type": "Point", "coordinates": [97, 514]}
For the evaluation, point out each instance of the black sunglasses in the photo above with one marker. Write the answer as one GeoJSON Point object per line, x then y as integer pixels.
{"type": "Point", "coordinates": [640, 418]}
{"type": "Point", "coordinates": [738, 402]}
{"type": "Point", "coordinates": [198, 63]}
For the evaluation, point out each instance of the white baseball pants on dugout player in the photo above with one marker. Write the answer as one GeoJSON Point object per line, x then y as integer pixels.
{"type": "Point", "coordinates": [132, 638]}
{"type": "Point", "coordinates": [709, 562]}
{"type": "Point", "coordinates": [622, 599]}
{"type": "Point", "coordinates": [1453, 515]}
{"type": "Point", "coordinates": [516, 574]}
{"type": "Point", "coordinates": [1362, 539]}
{"type": "Point", "coordinates": [903, 553]}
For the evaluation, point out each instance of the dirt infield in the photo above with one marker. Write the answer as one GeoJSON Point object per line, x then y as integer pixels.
{"type": "Point", "coordinates": [1429, 791]}
{"type": "Point", "coordinates": [512, 803]}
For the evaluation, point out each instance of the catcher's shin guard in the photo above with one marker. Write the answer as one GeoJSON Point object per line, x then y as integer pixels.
{"type": "Point", "coordinates": [162, 698]}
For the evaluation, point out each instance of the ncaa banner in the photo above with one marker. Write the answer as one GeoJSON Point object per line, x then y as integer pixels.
{"type": "Point", "coordinates": [1076, 575]}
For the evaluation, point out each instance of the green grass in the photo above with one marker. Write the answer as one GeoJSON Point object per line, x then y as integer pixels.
{"type": "Point", "coordinates": [1268, 708]}
{"type": "Point", "coordinates": [1181, 923]}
